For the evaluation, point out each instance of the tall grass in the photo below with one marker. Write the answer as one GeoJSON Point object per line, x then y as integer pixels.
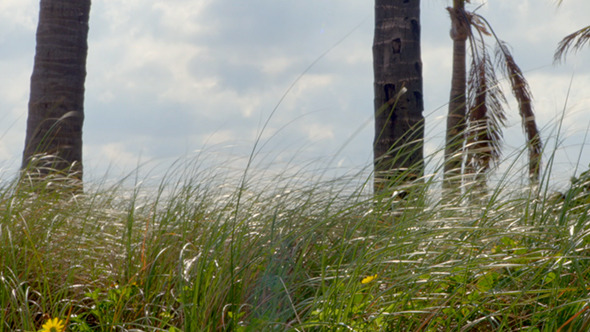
{"type": "Point", "coordinates": [204, 252]}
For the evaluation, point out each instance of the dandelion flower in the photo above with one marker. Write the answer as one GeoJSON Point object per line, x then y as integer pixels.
{"type": "Point", "coordinates": [53, 325]}
{"type": "Point", "coordinates": [368, 279]}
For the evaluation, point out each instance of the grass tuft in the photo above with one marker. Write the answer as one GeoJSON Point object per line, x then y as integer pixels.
{"type": "Point", "coordinates": [202, 251]}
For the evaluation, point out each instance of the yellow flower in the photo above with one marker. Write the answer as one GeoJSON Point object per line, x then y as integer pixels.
{"type": "Point", "coordinates": [368, 279]}
{"type": "Point", "coordinates": [53, 325]}
{"type": "Point", "coordinates": [165, 315]}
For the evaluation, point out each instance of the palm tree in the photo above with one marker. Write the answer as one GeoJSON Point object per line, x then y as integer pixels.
{"type": "Point", "coordinates": [476, 105]}
{"type": "Point", "coordinates": [457, 102]}
{"type": "Point", "coordinates": [573, 41]}
{"type": "Point", "coordinates": [53, 143]}
{"type": "Point", "coordinates": [399, 123]}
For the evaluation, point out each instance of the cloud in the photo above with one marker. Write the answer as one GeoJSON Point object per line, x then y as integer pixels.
{"type": "Point", "coordinates": [317, 132]}
{"type": "Point", "coordinates": [219, 137]}
{"type": "Point", "coordinates": [168, 77]}
{"type": "Point", "coordinates": [17, 15]}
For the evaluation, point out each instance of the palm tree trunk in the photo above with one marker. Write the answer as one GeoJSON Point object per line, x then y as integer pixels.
{"type": "Point", "coordinates": [457, 102]}
{"type": "Point", "coordinates": [53, 141]}
{"type": "Point", "coordinates": [399, 123]}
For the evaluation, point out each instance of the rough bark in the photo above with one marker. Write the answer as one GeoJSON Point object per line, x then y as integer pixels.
{"type": "Point", "coordinates": [457, 101]}
{"type": "Point", "coordinates": [399, 123]}
{"type": "Point", "coordinates": [53, 142]}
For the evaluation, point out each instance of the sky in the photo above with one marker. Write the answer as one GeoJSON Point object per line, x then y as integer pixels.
{"type": "Point", "coordinates": [172, 80]}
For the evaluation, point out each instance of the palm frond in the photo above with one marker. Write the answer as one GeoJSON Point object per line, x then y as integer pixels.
{"type": "Point", "coordinates": [478, 23]}
{"type": "Point", "coordinates": [485, 107]}
{"type": "Point", "coordinates": [522, 93]}
{"type": "Point", "coordinates": [572, 42]}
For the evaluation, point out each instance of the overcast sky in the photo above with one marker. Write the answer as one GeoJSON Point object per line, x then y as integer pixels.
{"type": "Point", "coordinates": [170, 79]}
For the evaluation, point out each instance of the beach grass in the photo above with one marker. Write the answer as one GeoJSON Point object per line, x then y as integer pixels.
{"type": "Point", "coordinates": [202, 251]}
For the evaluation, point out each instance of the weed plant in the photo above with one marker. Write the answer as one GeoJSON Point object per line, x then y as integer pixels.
{"type": "Point", "coordinates": [205, 252]}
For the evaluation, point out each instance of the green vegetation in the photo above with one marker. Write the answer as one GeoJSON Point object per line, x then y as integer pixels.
{"type": "Point", "coordinates": [197, 254]}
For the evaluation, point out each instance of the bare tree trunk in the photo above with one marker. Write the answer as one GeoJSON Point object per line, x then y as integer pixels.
{"type": "Point", "coordinates": [399, 123]}
{"type": "Point", "coordinates": [53, 141]}
{"type": "Point", "coordinates": [457, 103]}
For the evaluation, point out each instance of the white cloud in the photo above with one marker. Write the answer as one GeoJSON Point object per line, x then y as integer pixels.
{"type": "Point", "coordinates": [15, 91]}
{"type": "Point", "coordinates": [114, 159]}
{"type": "Point", "coordinates": [118, 13]}
{"type": "Point", "coordinates": [182, 16]}
{"type": "Point", "coordinates": [169, 76]}
{"type": "Point", "coordinates": [19, 14]}
{"type": "Point", "coordinates": [318, 131]}
{"type": "Point", "coordinates": [312, 82]}
{"type": "Point", "coordinates": [219, 137]}
{"type": "Point", "coordinates": [277, 65]}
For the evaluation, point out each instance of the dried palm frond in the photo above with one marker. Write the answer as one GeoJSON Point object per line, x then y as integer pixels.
{"type": "Point", "coordinates": [486, 114]}
{"type": "Point", "coordinates": [485, 105]}
{"type": "Point", "coordinates": [479, 24]}
{"type": "Point", "coordinates": [522, 93]}
{"type": "Point", "coordinates": [572, 42]}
